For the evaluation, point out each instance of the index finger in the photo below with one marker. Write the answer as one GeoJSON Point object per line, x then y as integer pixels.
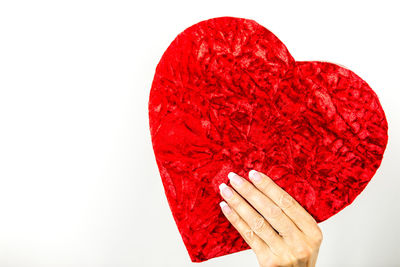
{"type": "Point", "coordinates": [304, 221]}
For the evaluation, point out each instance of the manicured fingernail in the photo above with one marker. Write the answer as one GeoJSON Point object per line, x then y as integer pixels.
{"type": "Point", "coordinates": [225, 208]}
{"type": "Point", "coordinates": [255, 176]}
{"type": "Point", "coordinates": [235, 179]}
{"type": "Point", "coordinates": [225, 191]}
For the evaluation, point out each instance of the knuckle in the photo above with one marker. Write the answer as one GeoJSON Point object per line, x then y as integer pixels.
{"type": "Point", "coordinates": [258, 225]}
{"type": "Point", "coordinates": [286, 201]}
{"type": "Point", "coordinates": [303, 252]}
{"type": "Point", "coordinates": [317, 236]}
{"type": "Point", "coordinates": [288, 260]}
{"type": "Point", "coordinates": [249, 235]}
{"type": "Point", "coordinates": [245, 232]}
{"type": "Point", "coordinates": [273, 212]}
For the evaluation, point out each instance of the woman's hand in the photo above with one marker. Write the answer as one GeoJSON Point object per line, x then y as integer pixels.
{"type": "Point", "coordinates": [278, 229]}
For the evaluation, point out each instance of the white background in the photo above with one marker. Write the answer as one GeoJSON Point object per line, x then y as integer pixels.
{"type": "Point", "coordinates": [79, 185]}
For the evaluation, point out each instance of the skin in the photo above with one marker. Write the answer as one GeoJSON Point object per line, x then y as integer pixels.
{"type": "Point", "coordinates": [277, 228]}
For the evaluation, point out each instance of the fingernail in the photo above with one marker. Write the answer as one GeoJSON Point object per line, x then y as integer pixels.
{"type": "Point", "coordinates": [225, 208]}
{"type": "Point", "coordinates": [255, 176]}
{"type": "Point", "coordinates": [225, 191]}
{"type": "Point", "coordinates": [235, 179]}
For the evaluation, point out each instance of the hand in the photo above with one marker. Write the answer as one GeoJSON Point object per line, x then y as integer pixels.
{"type": "Point", "coordinates": [278, 229]}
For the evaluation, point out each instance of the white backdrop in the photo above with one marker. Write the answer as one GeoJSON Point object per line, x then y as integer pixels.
{"type": "Point", "coordinates": [79, 185]}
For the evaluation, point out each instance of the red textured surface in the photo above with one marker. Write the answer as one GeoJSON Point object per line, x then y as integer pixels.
{"type": "Point", "coordinates": [228, 96]}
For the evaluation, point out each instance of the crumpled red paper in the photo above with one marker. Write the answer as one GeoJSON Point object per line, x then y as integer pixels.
{"type": "Point", "coordinates": [228, 96]}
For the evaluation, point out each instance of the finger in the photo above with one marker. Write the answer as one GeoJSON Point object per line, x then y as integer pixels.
{"type": "Point", "coordinates": [265, 206]}
{"type": "Point", "coordinates": [255, 242]}
{"type": "Point", "coordinates": [304, 221]}
{"type": "Point", "coordinates": [254, 220]}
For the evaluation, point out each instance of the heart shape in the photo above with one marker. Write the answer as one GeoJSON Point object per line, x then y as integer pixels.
{"type": "Point", "coordinates": [228, 96]}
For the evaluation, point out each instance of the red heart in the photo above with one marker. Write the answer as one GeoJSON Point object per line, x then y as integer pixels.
{"type": "Point", "coordinates": [228, 96]}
